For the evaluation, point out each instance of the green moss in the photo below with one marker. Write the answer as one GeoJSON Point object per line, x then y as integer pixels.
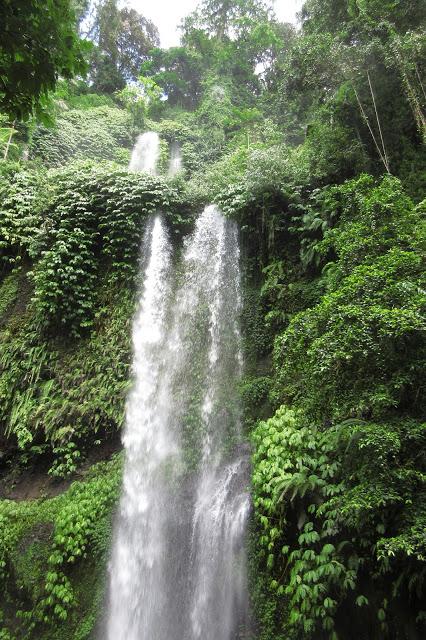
{"type": "Point", "coordinates": [29, 560]}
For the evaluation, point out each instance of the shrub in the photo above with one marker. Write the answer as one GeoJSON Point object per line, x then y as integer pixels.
{"type": "Point", "coordinates": [341, 514]}
{"type": "Point", "coordinates": [83, 133]}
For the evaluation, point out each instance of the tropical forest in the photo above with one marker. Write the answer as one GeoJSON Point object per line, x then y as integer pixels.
{"type": "Point", "coordinates": [212, 320]}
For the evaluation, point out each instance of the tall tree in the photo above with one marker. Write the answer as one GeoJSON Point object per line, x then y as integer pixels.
{"type": "Point", "coordinates": [80, 8]}
{"type": "Point", "coordinates": [234, 39]}
{"type": "Point", "coordinates": [178, 71]}
{"type": "Point", "coordinates": [357, 64]}
{"type": "Point", "coordinates": [351, 19]}
{"type": "Point", "coordinates": [228, 19]}
{"type": "Point", "coordinates": [124, 39]}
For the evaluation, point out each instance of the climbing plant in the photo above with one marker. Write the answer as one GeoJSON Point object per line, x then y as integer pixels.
{"type": "Point", "coordinates": [341, 513]}
{"type": "Point", "coordinates": [103, 132]}
{"type": "Point", "coordinates": [50, 539]}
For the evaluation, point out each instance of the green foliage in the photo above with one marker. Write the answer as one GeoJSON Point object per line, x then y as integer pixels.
{"type": "Point", "coordinates": [77, 94]}
{"type": "Point", "coordinates": [87, 220]}
{"type": "Point", "coordinates": [67, 458]}
{"type": "Point", "coordinates": [66, 393]}
{"type": "Point", "coordinates": [123, 38]}
{"type": "Point", "coordinates": [100, 132]}
{"type": "Point", "coordinates": [23, 195]}
{"type": "Point", "coordinates": [332, 154]}
{"type": "Point", "coordinates": [28, 73]}
{"type": "Point", "coordinates": [370, 331]}
{"type": "Point", "coordinates": [178, 71]}
{"type": "Point", "coordinates": [257, 339]}
{"type": "Point", "coordinates": [222, 20]}
{"type": "Point", "coordinates": [349, 76]}
{"type": "Point", "coordinates": [369, 327]}
{"type": "Point", "coordinates": [134, 100]}
{"type": "Point", "coordinates": [287, 290]}
{"type": "Point", "coordinates": [231, 39]}
{"type": "Point", "coordinates": [254, 396]}
{"type": "Point", "coordinates": [44, 542]}
{"type": "Point", "coordinates": [338, 477]}
{"type": "Point", "coordinates": [81, 227]}
{"type": "Point", "coordinates": [338, 510]}
{"type": "Point", "coordinates": [63, 390]}
{"type": "Point", "coordinates": [8, 292]}
{"type": "Point", "coordinates": [282, 126]}
{"type": "Point", "coordinates": [373, 217]}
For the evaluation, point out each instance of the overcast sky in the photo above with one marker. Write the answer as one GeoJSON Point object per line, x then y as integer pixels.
{"type": "Point", "coordinates": [167, 14]}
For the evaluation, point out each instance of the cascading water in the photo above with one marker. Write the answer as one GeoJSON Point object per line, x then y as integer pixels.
{"type": "Point", "coordinates": [177, 569]}
{"type": "Point", "coordinates": [146, 153]}
{"type": "Point", "coordinates": [138, 547]}
{"type": "Point", "coordinates": [175, 162]}
{"type": "Point", "coordinates": [221, 506]}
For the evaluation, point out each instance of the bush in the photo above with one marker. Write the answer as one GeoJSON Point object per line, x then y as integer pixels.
{"type": "Point", "coordinates": [77, 222]}
{"type": "Point", "coordinates": [341, 514]}
{"type": "Point", "coordinates": [360, 352]}
{"type": "Point", "coordinates": [23, 195]}
{"type": "Point", "coordinates": [83, 133]}
{"type": "Point", "coordinates": [40, 543]}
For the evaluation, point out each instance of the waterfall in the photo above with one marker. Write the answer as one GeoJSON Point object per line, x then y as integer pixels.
{"type": "Point", "coordinates": [221, 506]}
{"type": "Point", "coordinates": [146, 153]}
{"type": "Point", "coordinates": [177, 569]}
{"type": "Point", "coordinates": [138, 546]}
{"type": "Point", "coordinates": [175, 162]}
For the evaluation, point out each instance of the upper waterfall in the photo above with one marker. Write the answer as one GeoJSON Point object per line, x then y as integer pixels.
{"type": "Point", "coordinates": [146, 153]}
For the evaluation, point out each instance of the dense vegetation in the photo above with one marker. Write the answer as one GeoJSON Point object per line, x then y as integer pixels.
{"type": "Point", "coordinates": [313, 140]}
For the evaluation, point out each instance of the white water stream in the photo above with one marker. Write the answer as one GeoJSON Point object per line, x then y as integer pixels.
{"type": "Point", "coordinates": [177, 569]}
{"type": "Point", "coordinates": [175, 161]}
{"type": "Point", "coordinates": [146, 153]}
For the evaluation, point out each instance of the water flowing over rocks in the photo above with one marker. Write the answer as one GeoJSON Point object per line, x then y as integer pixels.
{"type": "Point", "coordinates": [177, 568]}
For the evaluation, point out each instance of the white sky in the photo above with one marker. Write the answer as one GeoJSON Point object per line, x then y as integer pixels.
{"type": "Point", "coordinates": [167, 14]}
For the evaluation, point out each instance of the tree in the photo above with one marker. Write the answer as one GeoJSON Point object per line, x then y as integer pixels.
{"type": "Point", "coordinates": [124, 39]}
{"type": "Point", "coordinates": [81, 9]}
{"type": "Point", "coordinates": [228, 19]}
{"type": "Point", "coordinates": [234, 39]}
{"type": "Point", "coordinates": [351, 19]}
{"type": "Point", "coordinates": [38, 43]}
{"type": "Point", "coordinates": [178, 71]}
{"type": "Point", "coordinates": [356, 66]}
